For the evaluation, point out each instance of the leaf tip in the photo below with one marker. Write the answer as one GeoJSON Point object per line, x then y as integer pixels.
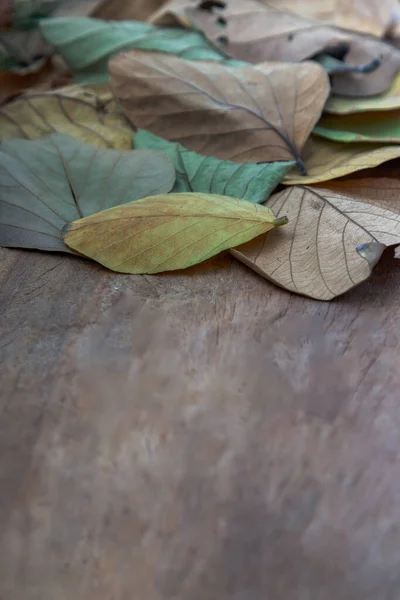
{"type": "Point", "coordinates": [371, 251]}
{"type": "Point", "coordinates": [281, 221]}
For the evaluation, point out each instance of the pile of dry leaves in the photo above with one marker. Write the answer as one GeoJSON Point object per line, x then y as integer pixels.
{"type": "Point", "coordinates": [152, 146]}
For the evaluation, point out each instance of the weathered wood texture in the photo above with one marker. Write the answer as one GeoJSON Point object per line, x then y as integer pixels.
{"type": "Point", "coordinates": [196, 436]}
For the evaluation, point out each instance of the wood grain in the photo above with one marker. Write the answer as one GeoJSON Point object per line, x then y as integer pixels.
{"type": "Point", "coordinates": [200, 435]}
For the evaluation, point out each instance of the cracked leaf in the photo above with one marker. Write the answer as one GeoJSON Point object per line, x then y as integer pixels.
{"type": "Point", "coordinates": [244, 114]}
{"type": "Point", "coordinates": [329, 246]}
{"type": "Point", "coordinates": [168, 232]}
{"type": "Point", "coordinates": [46, 183]}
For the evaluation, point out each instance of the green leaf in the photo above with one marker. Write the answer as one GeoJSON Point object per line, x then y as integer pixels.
{"type": "Point", "coordinates": [383, 126]}
{"type": "Point", "coordinates": [165, 233]}
{"type": "Point", "coordinates": [197, 173]}
{"type": "Point", "coordinates": [87, 44]}
{"type": "Point", "coordinates": [27, 13]}
{"type": "Point", "coordinates": [47, 183]}
{"type": "Point", "coordinates": [333, 65]}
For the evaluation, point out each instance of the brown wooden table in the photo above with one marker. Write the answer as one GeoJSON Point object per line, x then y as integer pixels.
{"type": "Point", "coordinates": [199, 436]}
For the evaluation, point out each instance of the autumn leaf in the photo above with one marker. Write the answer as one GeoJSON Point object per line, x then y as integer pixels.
{"type": "Point", "coordinates": [363, 127]}
{"type": "Point", "coordinates": [390, 100]}
{"type": "Point", "coordinates": [13, 84]}
{"type": "Point", "coordinates": [90, 114]}
{"type": "Point", "coordinates": [244, 114]}
{"type": "Point", "coordinates": [379, 186]}
{"type": "Point", "coordinates": [127, 10]}
{"type": "Point", "coordinates": [330, 245]}
{"type": "Point", "coordinates": [23, 52]}
{"type": "Point", "coordinates": [22, 48]}
{"type": "Point", "coordinates": [256, 32]}
{"type": "Point", "coordinates": [325, 159]}
{"type": "Point", "coordinates": [168, 232]}
{"type": "Point", "coordinates": [87, 44]}
{"type": "Point", "coordinates": [197, 173]}
{"type": "Point", "coordinates": [367, 16]}
{"type": "Point", "coordinates": [47, 183]}
{"type": "Point", "coordinates": [27, 13]}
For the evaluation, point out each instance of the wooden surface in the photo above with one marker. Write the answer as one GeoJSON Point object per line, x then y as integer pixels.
{"type": "Point", "coordinates": [196, 436]}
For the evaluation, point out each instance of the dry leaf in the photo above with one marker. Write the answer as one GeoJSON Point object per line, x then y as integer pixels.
{"type": "Point", "coordinates": [13, 84]}
{"type": "Point", "coordinates": [197, 173]}
{"type": "Point", "coordinates": [247, 114]}
{"type": "Point", "coordinates": [256, 32]}
{"type": "Point", "coordinates": [362, 127]}
{"type": "Point", "coordinates": [379, 186]}
{"type": "Point", "coordinates": [47, 183]}
{"type": "Point", "coordinates": [87, 44]}
{"type": "Point", "coordinates": [6, 10]}
{"type": "Point", "coordinates": [367, 16]}
{"type": "Point", "coordinates": [322, 10]}
{"type": "Point", "coordinates": [127, 10]}
{"type": "Point", "coordinates": [325, 159]}
{"type": "Point", "coordinates": [388, 101]}
{"type": "Point", "coordinates": [90, 114]}
{"type": "Point", "coordinates": [330, 244]}
{"type": "Point", "coordinates": [168, 232]}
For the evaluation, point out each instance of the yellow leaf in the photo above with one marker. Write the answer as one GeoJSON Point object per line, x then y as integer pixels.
{"type": "Point", "coordinates": [330, 245]}
{"type": "Point", "coordinates": [87, 113]}
{"type": "Point", "coordinates": [325, 159]}
{"type": "Point", "coordinates": [340, 105]}
{"type": "Point", "coordinates": [167, 232]}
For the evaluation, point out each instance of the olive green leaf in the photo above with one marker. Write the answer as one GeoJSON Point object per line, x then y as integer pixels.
{"type": "Point", "coordinates": [47, 183]}
{"type": "Point", "coordinates": [90, 114]}
{"type": "Point", "coordinates": [168, 232]}
{"type": "Point", "coordinates": [87, 44]}
{"type": "Point", "coordinates": [197, 173]}
{"type": "Point", "coordinates": [383, 126]}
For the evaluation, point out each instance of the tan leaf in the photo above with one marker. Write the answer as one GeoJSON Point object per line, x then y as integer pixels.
{"type": "Point", "coordinates": [330, 244]}
{"type": "Point", "coordinates": [321, 10]}
{"type": "Point", "coordinates": [256, 32]}
{"type": "Point", "coordinates": [367, 16]}
{"type": "Point", "coordinates": [248, 114]}
{"type": "Point", "coordinates": [88, 113]}
{"type": "Point", "coordinates": [379, 186]}
{"type": "Point", "coordinates": [168, 232]}
{"type": "Point", "coordinates": [325, 159]}
{"type": "Point", "coordinates": [127, 10]}
{"type": "Point", "coordinates": [390, 100]}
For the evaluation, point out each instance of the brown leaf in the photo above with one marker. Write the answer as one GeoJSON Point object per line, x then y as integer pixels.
{"type": "Point", "coordinates": [247, 114]}
{"type": "Point", "coordinates": [330, 244]}
{"type": "Point", "coordinates": [13, 84]}
{"type": "Point", "coordinates": [6, 10]}
{"type": "Point", "coordinates": [125, 10]}
{"type": "Point", "coordinates": [257, 32]}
